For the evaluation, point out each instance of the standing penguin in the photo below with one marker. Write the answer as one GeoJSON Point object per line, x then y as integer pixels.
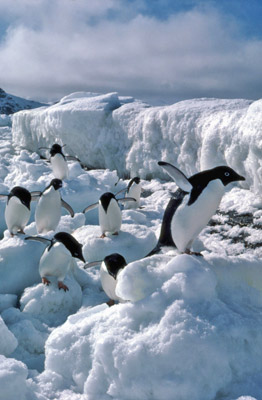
{"type": "Point", "coordinates": [17, 211]}
{"type": "Point", "coordinates": [109, 270]}
{"type": "Point", "coordinates": [56, 258]}
{"type": "Point", "coordinates": [109, 213]}
{"type": "Point", "coordinates": [59, 161]}
{"type": "Point", "coordinates": [134, 190]}
{"type": "Point", "coordinates": [194, 203]}
{"type": "Point", "coordinates": [48, 209]}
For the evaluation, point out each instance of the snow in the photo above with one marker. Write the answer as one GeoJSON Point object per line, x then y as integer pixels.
{"type": "Point", "coordinates": [191, 326]}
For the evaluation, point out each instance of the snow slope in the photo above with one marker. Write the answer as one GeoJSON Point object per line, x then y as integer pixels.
{"type": "Point", "coordinates": [9, 104]}
{"type": "Point", "coordinates": [191, 326]}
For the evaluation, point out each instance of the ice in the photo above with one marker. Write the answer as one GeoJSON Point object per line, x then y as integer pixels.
{"type": "Point", "coordinates": [191, 326]}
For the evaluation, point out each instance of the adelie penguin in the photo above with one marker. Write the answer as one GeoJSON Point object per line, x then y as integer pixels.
{"type": "Point", "coordinates": [109, 213]}
{"type": "Point", "coordinates": [17, 210]}
{"type": "Point", "coordinates": [56, 258]}
{"type": "Point", "coordinates": [109, 271]}
{"type": "Point", "coordinates": [193, 204]}
{"type": "Point", "coordinates": [48, 209]}
{"type": "Point", "coordinates": [133, 190]}
{"type": "Point", "coordinates": [59, 161]}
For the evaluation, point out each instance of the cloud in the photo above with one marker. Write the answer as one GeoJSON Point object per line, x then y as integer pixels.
{"type": "Point", "coordinates": [61, 46]}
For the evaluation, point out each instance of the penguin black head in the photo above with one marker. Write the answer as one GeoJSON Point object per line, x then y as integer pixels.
{"type": "Point", "coordinates": [105, 199]}
{"type": "Point", "coordinates": [134, 180]}
{"type": "Point", "coordinates": [224, 173]}
{"type": "Point", "coordinates": [200, 180]}
{"type": "Point", "coordinates": [114, 262]}
{"type": "Point", "coordinates": [23, 195]}
{"type": "Point", "coordinates": [56, 183]}
{"type": "Point", "coordinates": [71, 244]}
{"type": "Point", "coordinates": [55, 149]}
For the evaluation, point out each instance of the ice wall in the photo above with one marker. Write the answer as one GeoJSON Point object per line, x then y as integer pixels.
{"type": "Point", "coordinates": [108, 131]}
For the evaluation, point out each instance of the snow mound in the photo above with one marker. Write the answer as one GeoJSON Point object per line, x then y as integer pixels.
{"type": "Point", "coordinates": [131, 236]}
{"type": "Point", "coordinates": [51, 305]}
{"type": "Point", "coordinates": [8, 341]}
{"type": "Point", "coordinates": [183, 327]}
{"type": "Point", "coordinates": [13, 376]}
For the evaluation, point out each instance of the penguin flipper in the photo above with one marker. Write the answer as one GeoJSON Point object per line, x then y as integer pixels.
{"type": "Point", "coordinates": [72, 158]}
{"type": "Point", "coordinates": [92, 264]}
{"type": "Point", "coordinates": [39, 239]}
{"type": "Point", "coordinates": [35, 195]}
{"type": "Point", "coordinates": [121, 191]}
{"type": "Point", "coordinates": [3, 195]}
{"type": "Point", "coordinates": [178, 176]}
{"type": "Point", "coordinates": [67, 207]}
{"type": "Point", "coordinates": [91, 207]}
{"type": "Point", "coordinates": [124, 199]}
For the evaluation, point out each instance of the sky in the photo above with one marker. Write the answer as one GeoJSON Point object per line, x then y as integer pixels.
{"type": "Point", "coordinates": [158, 51]}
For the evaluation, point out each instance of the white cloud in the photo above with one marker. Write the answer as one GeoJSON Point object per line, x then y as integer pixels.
{"type": "Point", "coordinates": [55, 47]}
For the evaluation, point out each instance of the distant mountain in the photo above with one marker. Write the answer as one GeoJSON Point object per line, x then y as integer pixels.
{"type": "Point", "coordinates": [10, 104]}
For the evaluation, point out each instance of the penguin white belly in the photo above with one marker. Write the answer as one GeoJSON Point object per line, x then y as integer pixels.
{"type": "Point", "coordinates": [188, 221]}
{"type": "Point", "coordinates": [108, 283]}
{"type": "Point", "coordinates": [59, 166]}
{"type": "Point", "coordinates": [55, 262]}
{"type": "Point", "coordinates": [135, 192]}
{"type": "Point", "coordinates": [48, 211]}
{"type": "Point", "coordinates": [111, 220]}
{"type": "Point", "coordinates": [16, 215]}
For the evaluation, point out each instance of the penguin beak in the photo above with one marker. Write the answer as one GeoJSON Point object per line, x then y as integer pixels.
{"type": "Point", "coordinates": [240, 178]}
{"type": "Point", "coordinates": [81, 257]}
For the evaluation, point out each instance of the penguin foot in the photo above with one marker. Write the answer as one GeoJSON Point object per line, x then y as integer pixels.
{"type": "Point", "coordinates": [102, 236]}
{"type": "Point", "coordinates": [115, 233]}
{"type": "Point", "coordinates": [21, 231]}
{"type": "Point", "coordinates": [61, 285]}
{"type": "Point", "coordinates": [193, 253]}
{"type": "Point", "coordinates": [45, 281]}
{"type": "Point", "coordinates": [110, 303]}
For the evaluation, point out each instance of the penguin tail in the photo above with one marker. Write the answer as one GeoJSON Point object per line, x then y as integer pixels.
{"type": "Point", "coordinates": [155, 250]}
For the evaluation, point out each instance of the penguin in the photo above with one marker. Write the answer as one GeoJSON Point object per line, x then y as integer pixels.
{"type": "Point", "coordinates": [48, 209]}
{"type": "Point", "coordinates": [134, 190]}
{"type": "Point", "coordinates": [193, 204]}
{"type": "Point", "coordinates": [17, 211]}
{"type": "Point", "coordinates": [57, 256]}
{"type": "Point", "coordinates": [59, 161]}
{"type": "Point", "coordinates": [109, 213]}
{"type": "Point", "coordinates": [109, 271]}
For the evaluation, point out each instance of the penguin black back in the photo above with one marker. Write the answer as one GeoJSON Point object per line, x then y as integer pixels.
{"type": "Point", "coordinates": [136, 180]}
{"type": "Point", "coordinates": [23, 195]}
{"type": "Point", "coordinates": [105, 200]}
{"type": "Point", "coordinates": [114, 262]}
{"type": "Point", "coordinates": [71, 244]}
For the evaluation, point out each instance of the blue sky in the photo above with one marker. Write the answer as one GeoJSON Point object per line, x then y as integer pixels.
{"type": "Point", "coordinates": [160, 51]}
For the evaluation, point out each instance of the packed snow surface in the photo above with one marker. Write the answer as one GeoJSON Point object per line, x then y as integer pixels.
{"type": "Point", "coordinates": [190, 327]}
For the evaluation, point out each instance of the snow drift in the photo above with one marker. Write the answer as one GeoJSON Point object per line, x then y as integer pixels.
{"type": "Point", "coordinates": [190, 327]}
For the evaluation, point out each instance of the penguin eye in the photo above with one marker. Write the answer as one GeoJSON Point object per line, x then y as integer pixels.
{"type": "Point", "coordinates": [227, 173]}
